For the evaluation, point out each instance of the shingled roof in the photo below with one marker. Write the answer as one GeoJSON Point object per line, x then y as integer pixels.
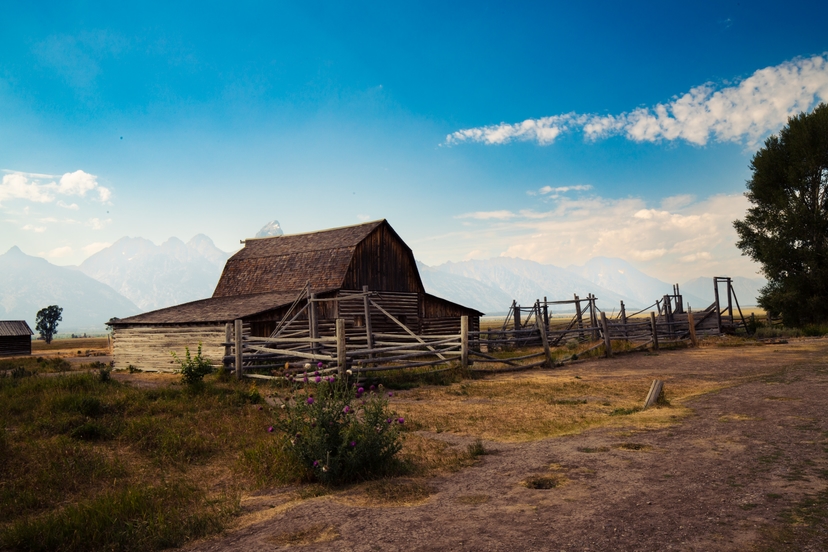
{"type": "Point", "coordinates": [288, 263]}
{"type": "Point", "coordinates": [215, 309]}
{"type": "Point", "coordinates": [14, 327]}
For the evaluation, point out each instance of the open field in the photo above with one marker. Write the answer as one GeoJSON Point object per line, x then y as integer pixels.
{"type": "Point", "coordinates": [737, 460]}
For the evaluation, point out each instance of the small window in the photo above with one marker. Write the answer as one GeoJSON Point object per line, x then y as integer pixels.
{"type": "Point", "coordinates": [359, 321]}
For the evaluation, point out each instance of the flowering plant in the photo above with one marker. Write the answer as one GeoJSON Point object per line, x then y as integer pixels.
{"type": "Point", "coordinates": [336, 437]}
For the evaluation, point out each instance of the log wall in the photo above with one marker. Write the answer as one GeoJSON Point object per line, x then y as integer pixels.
{"type": "Point", "coordinates": [15, 345]}
{"type": "Point", "coordinates": [150, 347]}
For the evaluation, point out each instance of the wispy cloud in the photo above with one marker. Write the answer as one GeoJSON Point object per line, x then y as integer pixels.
{"type": "Point", "coordinates": [40, 188]}
{"type": "Point", "coordinates": [744, 112]}
{"type": "Point", "coordinates": [677, 240]}
{"type": "Point", "coordinates": [93, 248]}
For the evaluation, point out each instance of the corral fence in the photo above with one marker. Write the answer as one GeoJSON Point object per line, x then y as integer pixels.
{"type": "Point", "coordinates": [286, 354]}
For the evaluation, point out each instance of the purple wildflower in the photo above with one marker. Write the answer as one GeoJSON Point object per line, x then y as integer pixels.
{"type": "Point", "coordinates": [260, 408]}
{"type": "Point", "coordinates": [401, 420]}
{"type": "Point", "coordinates": [371, 388]}
{"type": "Point", "coordinates": [353, 443]}
{"type": "Point", "coordinates": [389, 420]}
{"type": "Point", "coordinates": [319, 365]}
{"type": "Point", "coordinates": [346, 409]}
{"type": "Point", "coordinates": [361, 390]}
{"type": "Point", "coordinates": [390, 394]}
{"type": "Point", "coordinates": [316, 373]}
{"type": "Point", "coordinates": [270, 429]}
{"type": "Point", "coordinates": [316, 463]}
{"type": "Point", "coordinates": [310, 400]}
{"type": "Point", "coordinates": [317, 379]}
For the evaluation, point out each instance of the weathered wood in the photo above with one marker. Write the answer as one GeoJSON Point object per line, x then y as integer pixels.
{"type": "Point", "coordinates": [403, 326]}
{"type": "Point", "coordinates": [341, 359]}
{"type": "Point", "coordinates": [655, 330]}
{"type": "Point", "coordinates": [464, 342]}
{"type": "Point", "coordinates": [398, 367]}
{"type": "Point", "coordinates": [691, 325]}
{"type": "Point", "coordinates": [367, 308]}
{"type": "Point", "coordinates": [228, 336]}
{"type": "Point", "coordinates": [656, 388]}
{"type": "Point", "coordinates": [607, 340]}
{"type": "Point", "coordinates": [542, 328]}
{"type": "Point", "coordinates": [239, 349]}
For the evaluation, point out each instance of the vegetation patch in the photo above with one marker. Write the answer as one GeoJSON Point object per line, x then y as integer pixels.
{"type": "Point", "coordinates": [589, 450]}
{"type": "Point", "coordinates": [473, 499]}
{"type": "Point", "coordinates": [543, 482]}
{"type": "Point", "coordinates": [632, 446]}
{"type": "Point", "coordinates": [394, 491]}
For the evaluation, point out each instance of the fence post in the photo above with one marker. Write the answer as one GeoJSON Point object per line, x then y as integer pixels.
{"type": "Point", "coordinates": [579, 316]}
{"type": "Point", "coordinates": [607, 340]}
{"type": "Point", "coordinates": [692, 325]}
{"type": "Point", "coordinates": [545, 340]}
{"type": "Point", "coordinates": [368, 331]}
{"type": "Point", "coordinates": [340, 346]}
{"type": "Point", "coordinates": [228, 339]}
{"type": "Point", "coordinates": [655, 330]}
{"type": "Point", "coordinates": [239, 348]}
{"type": "Point", "coordinates": [464, 342]}
{"type": "Point", "coordinates": [313, 325]}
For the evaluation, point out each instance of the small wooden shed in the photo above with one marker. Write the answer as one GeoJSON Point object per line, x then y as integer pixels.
{"type": "Point", "coordinates": [15, 338]}
{"type": "Point", "coordinates": [261, 283]}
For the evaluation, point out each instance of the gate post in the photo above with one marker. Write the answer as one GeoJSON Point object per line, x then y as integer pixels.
{"type": "Point", "coordinates": [607, 340]}
{"type": "Point", "coordinates": [655, 330]}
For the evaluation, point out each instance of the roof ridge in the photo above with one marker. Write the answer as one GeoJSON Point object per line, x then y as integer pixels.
{"type": "Point", "coordinates": [325, 231]}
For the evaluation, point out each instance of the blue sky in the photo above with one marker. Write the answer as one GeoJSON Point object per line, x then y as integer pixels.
{"type": "Point", "coordinates": [553, 132]}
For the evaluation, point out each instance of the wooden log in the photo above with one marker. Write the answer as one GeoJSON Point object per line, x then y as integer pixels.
{"type": "Point", "coordinates": [403, 326]}
{"type": "Point", "coordinates": [417, 354]}
{"type": "Point", "coordinates": [228, 336]}
{"type": "Point", "coordinates": [512, 359]}
{"type": "Point", "coordinates": [607, 340]}
{"type": "Point", "coordinates": [239, 350]}
{"type": "Point", "coordinates": [542, 328]}
{"type": "Point", "coordinates": [656, 388]}
{"type": "Point", "coordinates": [692, 326]}
{"type": "Point", "coordinates": [398, 367]}
{"type": "Point", "coordinates": [341, 359]}
{"type": "Point", "coordinates": [464, 342]}
{"type": "Point", "coordinates": [367, 308]}
{"type": "Point", "coordinates": [655, 330]}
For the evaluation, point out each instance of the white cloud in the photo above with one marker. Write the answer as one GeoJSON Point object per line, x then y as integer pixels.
{"type": "Point", "coordinates": [41, 188]}
{"type": "Point", "coordinates": [18, 186]}
{"type": "Point", "coordinates": [488, 215]}
{"type": "Point", "coordinates": [563, 189]}
{"type": "Point", "coordinates": [745, 112]}
{"type": "Point", "coordinates": [59, 252]}
{"type": "Point", "coordinates": [72, 206]}
{"type": "Point", "coordinates": [363, 218]}
{"type": "Point", "coordinates": [93, 248]}
{"type": "Point", "coordinates": [97, 224]}
{"type": "Point", "coordinates": [670, 242]}
{"type": "Point", "coordinates": [34, 228]}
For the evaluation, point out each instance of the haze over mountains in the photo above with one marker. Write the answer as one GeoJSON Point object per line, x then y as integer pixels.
{"type": "Point", "coordinates": [27, 284]}
{"type": "Point", "coordinates": [156, 276]}
{"type": "Point", "coordinates": [135, 275]}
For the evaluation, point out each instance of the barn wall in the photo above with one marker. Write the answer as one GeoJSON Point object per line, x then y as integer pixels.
{"type": "Point", "coordinates": [383, 262]}
{"type": "Point", "coordinates": [13, 345]}
{"type": "Point", "coordinates": [149, 347]}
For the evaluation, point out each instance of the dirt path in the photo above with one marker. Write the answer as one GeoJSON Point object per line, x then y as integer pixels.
{"type": "Point", "coordinates": [717, 480]}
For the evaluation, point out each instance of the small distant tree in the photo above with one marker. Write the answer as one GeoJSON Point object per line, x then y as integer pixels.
{"type": "Point", "coordinates": [47, 321]}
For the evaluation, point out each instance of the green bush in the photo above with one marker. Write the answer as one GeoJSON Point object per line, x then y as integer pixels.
{"type": "Point", "coordinates": [338, 433]}
{"type": "Point", "coordinates": [193, 369]}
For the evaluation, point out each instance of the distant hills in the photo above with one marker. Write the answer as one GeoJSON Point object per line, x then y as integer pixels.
{"type": "Point", "coordinates": [27, 284]}
{"type": "Point", "coordinates": [156, 276]}
{"type": "Point", "coordinates": [135, 275]}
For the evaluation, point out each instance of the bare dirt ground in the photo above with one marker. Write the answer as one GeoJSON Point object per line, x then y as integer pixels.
{"type": "Point", "coordinates": [753, 446]}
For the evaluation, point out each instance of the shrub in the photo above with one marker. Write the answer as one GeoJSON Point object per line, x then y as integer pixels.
{"type": "Point", "coordinates": [338, 433]}
{"type": "Point", "coordinates": [193, 369]}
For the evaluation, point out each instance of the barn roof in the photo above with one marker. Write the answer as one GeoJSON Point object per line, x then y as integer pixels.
{"type": "Point", "coordinates": [14, 328]}
{"type": "Point", "coordinates": [215, 309]}
{"type": "Point", "coordinates": [319, 258]}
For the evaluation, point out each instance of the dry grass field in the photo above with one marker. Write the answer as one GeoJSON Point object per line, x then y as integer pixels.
{"type": "Point", "coordinates": [737, 458]}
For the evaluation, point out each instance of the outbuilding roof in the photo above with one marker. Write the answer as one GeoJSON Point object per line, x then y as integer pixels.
{"type": "Point", "coordinates": [215, 309]}
{"type": "Point", "coordinates": [14, 328]}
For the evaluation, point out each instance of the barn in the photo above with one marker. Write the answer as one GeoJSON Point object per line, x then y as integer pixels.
{"type": "Point", "coordinates": [263, 283]}
{"type": "Point", "coordinates": [15, 338]}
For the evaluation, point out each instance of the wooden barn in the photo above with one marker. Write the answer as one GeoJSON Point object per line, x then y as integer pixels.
{"type": "Point", "coordinates": [268, 278]}
{"type": "Point", "coordinates": [15, 338]}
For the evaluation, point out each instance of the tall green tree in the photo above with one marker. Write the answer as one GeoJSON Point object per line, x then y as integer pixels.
{"type": "Point", "coordinates": [786, 227]}
{"type": "Point", "coordinates": [47, 321]}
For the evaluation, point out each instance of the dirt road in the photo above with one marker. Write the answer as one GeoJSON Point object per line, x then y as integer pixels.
{"type": "Point", "coordinates": [724, 478]}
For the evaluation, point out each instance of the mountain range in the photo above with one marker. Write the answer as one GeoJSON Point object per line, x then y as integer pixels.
{"type": "Point", "coordinates": [27, 284]}
{"type": "Point", "coordinates": [134, 275]}
{"type": "Point", "coordinates": [156, 276]}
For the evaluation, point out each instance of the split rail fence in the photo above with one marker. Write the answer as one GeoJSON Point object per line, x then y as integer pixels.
{"type": "Point", "coordinates": [291, 351]}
